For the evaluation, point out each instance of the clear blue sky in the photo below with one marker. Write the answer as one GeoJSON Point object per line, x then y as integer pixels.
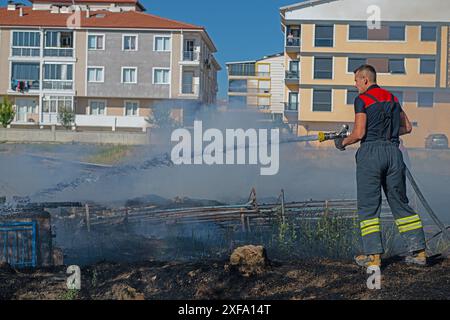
{"type": "Point", "coordinates": [240, 29]}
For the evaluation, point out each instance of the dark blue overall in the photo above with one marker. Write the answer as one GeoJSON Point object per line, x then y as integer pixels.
{"type": "Point", "coordinates": [379, 163]}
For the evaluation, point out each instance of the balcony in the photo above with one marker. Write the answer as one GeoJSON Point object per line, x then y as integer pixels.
{"type": "Point", "coordinates": [291, 106]}
{"type": "Point", "coordinates": [189, 89]}
{"type": "Point", "coordinates": [57, 85]}
{"type": "Point", "coordinates": [292, 77]}
{"type": "Point", "coordinates": [25, 52]}
{"type": "Point", "coordinates": [24, 85]}
{"type": "Point", "coordinates": [249, 74]}
{"type": "Point", "coordinates": [192, 56]}
{"type": "Point", "coordinates": [58, 52]}
{"type": "Point", "coordinates": [258, 90]}
{"type": "Point", "coordinates": [292, 44]}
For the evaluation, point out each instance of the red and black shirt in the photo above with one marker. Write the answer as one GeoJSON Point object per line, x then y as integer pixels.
{"type": "Point", "coordinates": [383, 114]}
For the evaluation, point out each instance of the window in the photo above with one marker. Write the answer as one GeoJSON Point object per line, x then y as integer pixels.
{"type": "Point", "coordinates": [354, 63]}
{"type": "Point", "coordinates": [96, 42]}
{"type": "Point", "coordinates": [131, 108]}
{"type": "Point", "coordinates": [188, 82]}
{"type": "Point", "coordinates": [323, 68]}
{"type": "Point", "coordinates": [324, 36]}
{"type": "Point", "coordinates": [427, 66]}
{"type": "Point", "coordinates": [357, 33]}
{"type": "Point", "coordinates": [237, 86]}
{"type": "Point", "coordinates": [397, 33]}
{"type": "Point", "coordinates": [25, 71]}
{"type": "Point", "coordinates": [26, 43]}
{"type": "Point", "coordinates": [58, 77]}
{"type": "Point", "coordinates": [425, 99]}
{"type": "Point", "coordinates": [129, 75]}
{"type": "Point", "coordinates": [292, 104]}
{"type": "Point", "coordinates": [428, 33]}
{"type": "Point", "coordinates": [399, 95]}
{"type": "Point", "coordinates": [322, 100]}
{"type": "Point", "coordinates": [53, 104]}
{"type": "Point", "coordinates": [95, 74]}
{"type": "Point", "coordinates": [161, 76]}
{"type": "Point", "coordinates": [162, 44]}
{"type": "Point", "coordinates": [397, 66]}
{"type": "Point", "coordinates": [58, 71]}
{"type": "Point", "coordinates": [97, 107]}
{"type": "Point", "coordinates": [58, 39]}
{"type": "Point", "coordinates": [129, 43]}
{"type": "Point", "coordinates": [241, 69]}
{"type": "Point", "coordinates": [351, 96]}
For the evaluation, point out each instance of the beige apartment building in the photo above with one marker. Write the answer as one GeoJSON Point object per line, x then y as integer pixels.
{"type": "Point", "coordinates": [107, 60]}
{"type": "Point", "coordinates": [258, 84]}
{"type": "Point", "coordinates": [325, 40]}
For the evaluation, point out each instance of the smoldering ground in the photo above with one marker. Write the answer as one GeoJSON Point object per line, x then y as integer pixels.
{"type": "Point", "coordinates": [304, 173]}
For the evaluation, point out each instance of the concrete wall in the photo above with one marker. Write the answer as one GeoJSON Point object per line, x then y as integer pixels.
{"type": "Point", "coordinates": [4, 62]}
{"type": "Point", "coordinates": [113, 58]}
{"type": "Point", "coordinates": [96, 137]}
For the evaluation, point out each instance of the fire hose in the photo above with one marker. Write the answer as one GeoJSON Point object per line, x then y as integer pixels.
{"type": "Point", "coordinates": [343, 133]}
{"type": "Point", "coordinates": [443, 229]}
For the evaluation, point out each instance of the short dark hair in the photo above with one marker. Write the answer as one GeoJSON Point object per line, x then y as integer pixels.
{"type": "Point", "coordinates": [372, 73]}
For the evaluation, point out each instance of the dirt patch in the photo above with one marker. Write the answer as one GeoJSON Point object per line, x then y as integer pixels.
{"type": "Point", "coordinates": [304, 279]}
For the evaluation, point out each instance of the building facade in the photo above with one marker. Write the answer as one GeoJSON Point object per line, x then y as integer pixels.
{"type": "Point", "coordinates": [258, 84]}
{"type": "Point", "coordinates": [325, 40]}
{"type": "Point", "coordinates": [108, 61]}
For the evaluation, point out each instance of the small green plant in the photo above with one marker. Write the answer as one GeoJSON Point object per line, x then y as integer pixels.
{"type": "Point", "coordinates": [69, 294]}
{"type": "Point", "coordinates": [94, 280]}
{"type": "Point", "coordinates": [66, 117]}
{"type": "Point", "coordinates": [7, 112]}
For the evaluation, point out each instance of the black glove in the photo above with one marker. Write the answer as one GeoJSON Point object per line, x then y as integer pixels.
{"type": "Point", "coordinates": [338, 144]}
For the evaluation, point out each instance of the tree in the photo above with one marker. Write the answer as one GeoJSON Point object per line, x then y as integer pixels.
{"type": "Point", "coordinates": [7, 112]}
{"type": "Point", "coordinates": [161, 118]}
{"type": "Point", "coordinates": [66, 117]}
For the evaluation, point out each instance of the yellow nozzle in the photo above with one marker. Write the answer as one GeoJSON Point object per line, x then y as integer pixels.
{"type": "Point", "coordinates": [321, 136]}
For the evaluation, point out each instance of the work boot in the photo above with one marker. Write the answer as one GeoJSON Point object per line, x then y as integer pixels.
{"type": "Point", "coordinates": [418, 257]}
{"type": "Point", "coordinates": [371, 260]}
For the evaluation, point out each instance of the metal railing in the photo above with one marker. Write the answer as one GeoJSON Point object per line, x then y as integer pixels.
{"type": "Point", "coordinates": [291, 106]}
{"type": "Point", "coordinates": [27, 84]}
{"type": "Point", "coordinates": [58, 52]}
{"type": "Point", "coordinates": [292, 75]}
{"type": "Point", "coordinates": [293, 41]}
{"type": "Point", "coordinates": [191, 56]}
{"type": "Point", "coordinates": [57, 85]}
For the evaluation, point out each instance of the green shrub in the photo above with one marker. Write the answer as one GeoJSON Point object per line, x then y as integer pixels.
{"type": "Point", "coordinates": [7, 112]}
{"type": "Point", "coordinates": [66, 117]}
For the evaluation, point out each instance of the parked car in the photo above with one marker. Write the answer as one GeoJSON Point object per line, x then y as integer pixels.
{"type": "Point", "coordinates": [436, 141]}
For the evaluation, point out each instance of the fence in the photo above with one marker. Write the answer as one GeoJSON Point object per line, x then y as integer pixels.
{"type": "Point", "coordinates": [18, 244]}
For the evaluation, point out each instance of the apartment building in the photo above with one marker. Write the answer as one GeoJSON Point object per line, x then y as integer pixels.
{"type": "Point", "coordinates": [107, 60]}
{"type": "Point", "coordinates": [325, 40]}
{"type": "Point", "coordinates": [258, 84]}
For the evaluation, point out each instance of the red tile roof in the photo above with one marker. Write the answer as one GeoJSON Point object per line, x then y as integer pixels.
{"type": "Point", "coordinates": [135, 2]}
{"type": "Point", "coordinates": [97, 19]}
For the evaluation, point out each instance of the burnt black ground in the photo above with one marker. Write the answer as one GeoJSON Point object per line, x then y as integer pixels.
{"type": "Point", "coordinates": [306, 279]}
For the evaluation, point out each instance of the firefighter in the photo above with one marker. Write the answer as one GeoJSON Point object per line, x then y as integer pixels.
{"type": "Point", "coordinates": [379, 121]}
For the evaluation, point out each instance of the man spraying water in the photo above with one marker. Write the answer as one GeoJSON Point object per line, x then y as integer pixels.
{"type": "Point", "coordinates": [379, 121]}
